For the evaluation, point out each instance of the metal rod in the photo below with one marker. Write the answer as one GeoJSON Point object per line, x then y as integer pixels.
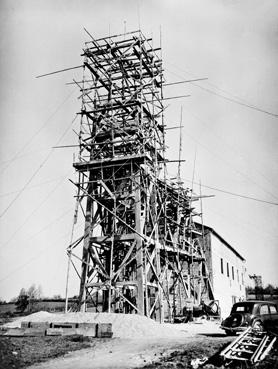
{"type": "Point", "coordinates": [185, 81]}
{"type": "Point", "coordinates": [175, 97]}
{"type": "Point", "coordinates": [104, 38]}
{"type": "Point", "coordinates": [59, 71]}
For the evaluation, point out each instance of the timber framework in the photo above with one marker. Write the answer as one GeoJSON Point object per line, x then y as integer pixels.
{"type": "Point", "coordinates": [140, 252]}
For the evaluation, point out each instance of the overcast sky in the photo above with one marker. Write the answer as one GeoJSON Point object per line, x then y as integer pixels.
{"type": "Point", "coordinates": [232, 43]}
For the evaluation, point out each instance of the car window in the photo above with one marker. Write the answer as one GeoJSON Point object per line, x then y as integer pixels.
{"type": "Point", "coordinates": [242, 308]}
{"type": "Point", "coordinates": [264, 309]}
{"type": "Point", "coordinates": [273, 309]}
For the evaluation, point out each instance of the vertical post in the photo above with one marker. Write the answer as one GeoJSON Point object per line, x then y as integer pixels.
{"type": "Point", "coordinates": [85, 256]}
{"type": "Point", "coordinates": [160, 299]}
{"type": "Point", "coordinates": [67, 282]}
{"type": "Point", "coordinates": [139, 247]}
{"type": "Point", "coordinates": [69, 251]}
{"type": "Point", "coordinates": [199, 284]}
{"type": "Point", "coordinates": [111, 259]}
{"type": "Point", "coordinates": [188, 282]}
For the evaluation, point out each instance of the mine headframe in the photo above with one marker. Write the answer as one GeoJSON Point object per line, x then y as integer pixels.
{"type": "Point", "coordinates": [138, 253]}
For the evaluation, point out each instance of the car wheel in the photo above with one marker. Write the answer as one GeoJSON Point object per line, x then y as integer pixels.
{"type": "Point", "coordinates": [258, 326]}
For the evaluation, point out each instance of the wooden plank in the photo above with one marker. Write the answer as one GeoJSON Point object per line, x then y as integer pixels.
{"type": "Point", "coordinates": [103, 285]}
{"type": "Point", "coordinates": [117, 237]}
{"type": "Point", "coordinates": [139, 248]}
{"type": "Point", "coordinates": [85, 166]}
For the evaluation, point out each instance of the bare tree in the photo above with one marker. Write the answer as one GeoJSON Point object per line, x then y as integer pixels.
{"type": "Point", "coordinates": [26, 297]}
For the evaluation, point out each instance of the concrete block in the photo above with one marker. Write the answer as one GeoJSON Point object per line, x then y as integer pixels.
{"type": "Point", "coordinates": [87, 332]}
{"type": "Point", "coordinates": [14, 332]}
{"type": "Point", "coordinates": [87, 325]}
{"type": "Point", "coordinates": [54, 331]}
{"type": "Point", "coordinates": [26, 332]}
{"type": "Point", "coordinates": [25, 324]}
{"type": "Point", "coordinates": [104, 330]}
{"type": "Point", "coordinates": [88, 329]}
{"type": "Point", "coordinates": [34, 332]}
{"type": "Point", "coordinates": [42, 325]}
{"type": "Point", "coordinates": [69, 331]}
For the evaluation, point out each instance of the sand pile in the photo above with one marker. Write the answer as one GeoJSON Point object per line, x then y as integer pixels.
{"type": "Point", "coordinates": [123, 325]}
{"type": "Point", "coordinates": [41, 316]}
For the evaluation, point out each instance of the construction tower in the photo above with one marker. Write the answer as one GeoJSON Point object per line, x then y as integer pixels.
{"type": "Point", "coordinates": [140, 252]}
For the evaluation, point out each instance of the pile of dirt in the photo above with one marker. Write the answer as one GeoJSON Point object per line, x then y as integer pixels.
{"type": "Point", "coordinates": [123, 325]}
{"type": "Point", "coordinates": [41, 316]}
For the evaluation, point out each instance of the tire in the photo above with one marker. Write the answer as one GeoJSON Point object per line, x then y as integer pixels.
{"type": "Point", "coordinates": [234, 321]}
{"type": "Point", "coordinates": [258, 326]}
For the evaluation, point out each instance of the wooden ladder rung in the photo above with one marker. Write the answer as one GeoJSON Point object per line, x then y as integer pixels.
{"type": "Point", "coordinates": [235, 358]}
{"type": "Point", "coordinates": [250, 344]}
{"type": "Point", "coordinates": [243, 350]}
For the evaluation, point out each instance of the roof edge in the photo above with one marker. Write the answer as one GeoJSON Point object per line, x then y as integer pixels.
{"type": "Point", "coordinates": [222, 240]}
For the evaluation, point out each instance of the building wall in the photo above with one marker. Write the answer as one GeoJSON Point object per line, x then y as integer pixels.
{"type": "Point", "coordinates": [206, 242]}
{"type": "Point", "coordinates": [228, 280]}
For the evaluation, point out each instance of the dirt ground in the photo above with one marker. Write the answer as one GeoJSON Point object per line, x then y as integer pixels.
{"type": "Point", "coordinates": [52, 352]}
{"type": "Point", "coordinates": [210, 348]}
{"type": "Point", "coordinates": [188, 343]}
{"type": "Point", "coordinates": [20, 352]}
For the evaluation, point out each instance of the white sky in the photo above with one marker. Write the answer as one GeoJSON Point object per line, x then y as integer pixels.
{"type": "Point", "coordinates": [233, 43]}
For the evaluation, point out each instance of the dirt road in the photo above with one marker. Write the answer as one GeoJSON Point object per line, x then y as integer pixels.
{"type": "Point", "coordinates": [137, 352]}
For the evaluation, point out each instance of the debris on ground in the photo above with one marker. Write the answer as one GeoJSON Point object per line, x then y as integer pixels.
{"type": "Point", "coordinates": [198, 349]}
{"type": "Point", "coordinates": [250, 346]}
{"type": "Point", "coordinates": [195, 363]}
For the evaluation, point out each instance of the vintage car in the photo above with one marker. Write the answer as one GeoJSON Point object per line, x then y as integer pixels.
{"type": "Point", "coordinates": [260, 315]}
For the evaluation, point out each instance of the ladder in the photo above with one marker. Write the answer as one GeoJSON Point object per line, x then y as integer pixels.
{"type": "Point", "coordinates": [250, 345]}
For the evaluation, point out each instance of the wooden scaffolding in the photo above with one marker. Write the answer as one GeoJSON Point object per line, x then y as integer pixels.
{"type": "Point", "coordinates": [140, 251]}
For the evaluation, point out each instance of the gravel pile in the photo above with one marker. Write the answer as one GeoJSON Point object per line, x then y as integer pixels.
{"type": "Point", "coordinates": [123, 325]}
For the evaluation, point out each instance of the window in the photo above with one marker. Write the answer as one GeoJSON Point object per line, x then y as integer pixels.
{"type": "Point", "coordinates": [273, 309]}
{"type": "Point", "coordinates": [242, 279]}
{"type": "Point", "coordinates": [237, 275]}
{"type": "Point", "coordinates": [264, 310]}
{"type": "Point", "coordinates": [221, 264]}
{"type": "Point", "coordinates": [245, 307]}
{"type": "Point", "coordinates": [228, 272]}
{"type": "Point", "coordinates": [233, 274]}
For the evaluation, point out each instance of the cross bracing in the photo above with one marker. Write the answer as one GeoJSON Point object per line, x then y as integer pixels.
{"type": "Point", "coordinates": [140, 251]}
